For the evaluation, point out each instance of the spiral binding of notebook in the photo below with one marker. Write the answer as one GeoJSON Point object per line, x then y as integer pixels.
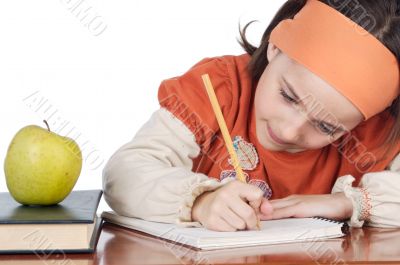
{"type": "Point", "coordinates": [345, 227]}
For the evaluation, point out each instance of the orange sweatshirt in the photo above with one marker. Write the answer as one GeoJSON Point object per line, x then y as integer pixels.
{"type": "Point", "coordinates": [278, 174]}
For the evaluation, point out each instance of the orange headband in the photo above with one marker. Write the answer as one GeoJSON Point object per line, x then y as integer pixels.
{"type": "Point", "coordinates": [342, 53]}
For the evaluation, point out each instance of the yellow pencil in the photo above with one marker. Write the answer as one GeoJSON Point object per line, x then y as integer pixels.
{"type": "Point", "coordinates": [224, 131]}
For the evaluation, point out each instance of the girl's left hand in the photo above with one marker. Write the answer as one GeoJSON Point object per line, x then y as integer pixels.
{"type": "Point", "coordinates": [334, 206]}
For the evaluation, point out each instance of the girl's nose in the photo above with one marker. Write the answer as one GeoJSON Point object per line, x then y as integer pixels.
{"type": "Point", "coordinates": [294, 129]}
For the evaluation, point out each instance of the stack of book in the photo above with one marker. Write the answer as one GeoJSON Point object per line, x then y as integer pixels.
{"type": "Point", "coordinates": [71, 226]}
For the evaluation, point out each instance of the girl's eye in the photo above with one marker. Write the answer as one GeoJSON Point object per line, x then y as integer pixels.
{"type": "Point", "coordinates": [322, 127]}
{"type": "Point", "coordinates": [326, 129]}
{"type": "Point", "coordinates": [287, 97]}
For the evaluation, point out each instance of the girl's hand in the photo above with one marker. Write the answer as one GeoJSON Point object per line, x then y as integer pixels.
{"type": "Point", "coordinates": [334, 206]}
{"type": "Point", "coordinates": [227, 208]}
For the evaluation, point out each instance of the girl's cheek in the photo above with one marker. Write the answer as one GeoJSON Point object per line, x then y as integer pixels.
{"type": "Point", "coordinates": [316, 140]}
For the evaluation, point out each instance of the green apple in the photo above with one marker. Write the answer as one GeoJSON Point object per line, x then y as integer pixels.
{"type": "Point", "coordinates": [41, 167]}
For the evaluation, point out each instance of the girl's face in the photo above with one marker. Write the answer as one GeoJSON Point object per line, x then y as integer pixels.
{"type": "Point", "coordinates": [296, 110]}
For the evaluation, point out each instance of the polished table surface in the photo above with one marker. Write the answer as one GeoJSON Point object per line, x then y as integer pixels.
{"type": "Point", "coordinates": [119, 245]}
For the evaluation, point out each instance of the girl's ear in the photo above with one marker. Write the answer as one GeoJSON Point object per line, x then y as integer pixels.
{"type": "Point", "coordinates": [272, 51]}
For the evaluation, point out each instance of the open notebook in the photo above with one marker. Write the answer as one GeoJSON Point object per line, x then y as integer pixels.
{"type": "Point", "coordinates": [272, 232]}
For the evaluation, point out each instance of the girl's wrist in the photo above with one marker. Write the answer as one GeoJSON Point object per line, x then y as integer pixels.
{"type": "Point", "coordinates": [196, 209]}
{"type": "Point", "coordinates": [347, 203]}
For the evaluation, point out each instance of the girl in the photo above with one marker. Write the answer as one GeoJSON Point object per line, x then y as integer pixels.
{"type": "Point", "coordinates": [314, 117]}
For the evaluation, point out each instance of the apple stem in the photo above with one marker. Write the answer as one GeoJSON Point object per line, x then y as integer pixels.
{"type": "Point", "coordinates": [48, 128]}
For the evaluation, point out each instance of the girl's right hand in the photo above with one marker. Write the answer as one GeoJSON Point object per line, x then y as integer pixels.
{"type": "Point", "coordinates": [227, 208]}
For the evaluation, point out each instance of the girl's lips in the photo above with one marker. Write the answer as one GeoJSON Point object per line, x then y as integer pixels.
{"type": "Point", "coordinates": [274, 137]}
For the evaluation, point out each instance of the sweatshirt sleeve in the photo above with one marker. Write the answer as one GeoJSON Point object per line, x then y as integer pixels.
{"type": "Point", "coordinates": [376, 200]}
{"type": "Point", "coordinates": [150, 177]}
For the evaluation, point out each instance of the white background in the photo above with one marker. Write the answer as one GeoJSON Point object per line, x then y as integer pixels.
{"type": "Point", "coordinates": [97, 72]}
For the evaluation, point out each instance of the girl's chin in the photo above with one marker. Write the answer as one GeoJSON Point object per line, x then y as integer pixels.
{"type": "Point", "coordinates": [271, 146]}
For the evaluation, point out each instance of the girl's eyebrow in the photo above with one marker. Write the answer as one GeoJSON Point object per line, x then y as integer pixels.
{"type": "Point", "coordinates": [292, 90]}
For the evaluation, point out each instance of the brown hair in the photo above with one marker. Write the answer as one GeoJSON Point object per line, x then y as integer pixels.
{"type": "Point", "coordinates": [385, 19]}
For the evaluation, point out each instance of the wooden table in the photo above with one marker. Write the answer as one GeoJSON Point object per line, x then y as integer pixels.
{"type": "Point", "coordinates": [121, 246]}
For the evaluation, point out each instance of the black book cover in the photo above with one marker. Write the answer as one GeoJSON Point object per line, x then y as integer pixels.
{"type": "Point", "coordinates": [78, 207]}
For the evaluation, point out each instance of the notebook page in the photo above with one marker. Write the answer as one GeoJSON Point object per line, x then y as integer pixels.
{"type": "Point", "coordinates": [283, 230]}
